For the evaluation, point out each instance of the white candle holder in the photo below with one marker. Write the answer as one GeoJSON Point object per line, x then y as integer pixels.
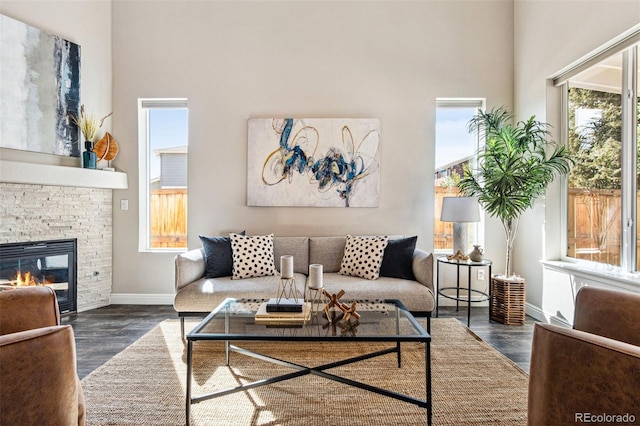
{"type": "Point", "coordinates": [286, 266]}
{"type": "Point", "coordinates": [315, 290]}
{"type": "Point", "coordinates": [315, 276]}
{"type": "Point", "coordinates": [287, 287]}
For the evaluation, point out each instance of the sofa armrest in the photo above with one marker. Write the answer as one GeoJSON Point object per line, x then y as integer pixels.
{"type": "Point", "coordinates": [190, 267]}
{"type": "Point", "coordinates": [573, 373]}
{"type": "Point", "coordinates": [423, 268]}
{"type": "Point", "coordinates": [608, 313]}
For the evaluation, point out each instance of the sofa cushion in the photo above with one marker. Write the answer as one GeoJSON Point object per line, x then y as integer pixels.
{"type": "Point", "coordinates": [298, 247]}
{"type": "Point", "coordinates": [218, 256]}
{"type": "Point", "coordinates": [327, 251]}
{"type": "Point", "coordinates": [252, 256]}
{"type": "Point", "coordinates": [363, 256]}
{"type": "Point", "coordinates": [397, 259]}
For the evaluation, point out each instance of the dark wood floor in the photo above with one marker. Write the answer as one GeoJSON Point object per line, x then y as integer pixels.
{"type": "Point", "coordinates": [104, 332]}
{"type": "Point", "coordinates": [514, 341]}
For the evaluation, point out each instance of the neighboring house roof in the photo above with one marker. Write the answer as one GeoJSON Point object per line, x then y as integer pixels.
{"type": "Point", "coordinates": [172, 150]}
{"type": "Point", "coordinates": [173, 167]}
{"type": "Point", "coordinates": [453, 164]}
{"type": "Point", "coordinates": [449, 170]}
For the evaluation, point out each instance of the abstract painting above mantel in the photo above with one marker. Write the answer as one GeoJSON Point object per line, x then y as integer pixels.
{"type": "Point", "coordinates": [39, 89]}
{"type": "Point", "coordinates": [313, 162]}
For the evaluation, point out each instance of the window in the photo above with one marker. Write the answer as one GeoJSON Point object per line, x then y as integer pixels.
{"type": "Point", "coordinates": [601, 122]}
{"type": "Point", "coordinates": [455, 147]}
{"type": "Point", "coordinates": [163, 148]}
{"type": "Point", "coordinates": [595, 182]}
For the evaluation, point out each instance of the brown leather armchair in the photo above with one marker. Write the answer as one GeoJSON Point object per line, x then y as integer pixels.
{"type": "Point", "coordinates": [584, 374]}
{"type": "Point", "coordinates": [39, 383]}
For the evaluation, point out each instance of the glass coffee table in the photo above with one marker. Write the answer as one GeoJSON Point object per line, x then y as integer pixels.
{"type": "Point", "coordinates": [380, 321]}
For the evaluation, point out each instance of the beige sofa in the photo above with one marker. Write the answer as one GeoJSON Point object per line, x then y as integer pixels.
{"type": "Point", "coordinates": [196, 295]}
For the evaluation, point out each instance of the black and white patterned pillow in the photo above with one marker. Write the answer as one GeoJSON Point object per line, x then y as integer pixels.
{"type": "Point", "coordinates": [363, 256]}
{"type": "Point", "coordinates": [252, 256]}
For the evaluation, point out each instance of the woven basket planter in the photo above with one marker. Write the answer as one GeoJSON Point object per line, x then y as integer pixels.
{"type": "Point", "coordinates": [507, 301]}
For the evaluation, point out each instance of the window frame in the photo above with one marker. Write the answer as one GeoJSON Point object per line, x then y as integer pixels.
{"type": "Point", "coordinates": [476, 103]}
{"type": "Point", "coordinates": [144, 106]}
{"type": "Point", "coordinates": [629, 99]}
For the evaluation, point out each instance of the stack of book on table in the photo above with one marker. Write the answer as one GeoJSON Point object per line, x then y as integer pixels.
{"type": "Point", "coordinates": [284, 312]}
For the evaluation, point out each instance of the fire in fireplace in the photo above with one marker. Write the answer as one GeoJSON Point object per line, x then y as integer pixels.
{"type": "Point", "coordinates": [50, 263]}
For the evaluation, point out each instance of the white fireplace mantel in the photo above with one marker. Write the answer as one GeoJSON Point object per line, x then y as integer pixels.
{"type": "Point", "coordinates": [45, 174]}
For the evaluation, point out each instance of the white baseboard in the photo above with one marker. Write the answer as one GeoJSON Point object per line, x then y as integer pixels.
{"type": "Point", "coordinates": [141, 299]}
{"type": "Point", "coordinates": [535, 312]}
{"type": "Point", "coordinates": [531, 310]}
{"type": "Point", "coordinates": [542, 316]}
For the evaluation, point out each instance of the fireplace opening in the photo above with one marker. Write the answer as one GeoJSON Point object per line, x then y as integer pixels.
{"type": "Point", "coordinates": [50, 263]}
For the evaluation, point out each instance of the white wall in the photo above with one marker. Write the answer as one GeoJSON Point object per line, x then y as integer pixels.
{"type": "Point", "coordinates": [85, 23]}
{"type": "Point", "coordinates": [549, 36]}
{"type": "Point", "coordinates": [389, 60]}
{"type": "Point", "coordinates": [236, 60]}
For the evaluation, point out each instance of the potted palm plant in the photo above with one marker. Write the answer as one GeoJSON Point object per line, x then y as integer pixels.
{"type": "Point", "coordinates": [514, 168]}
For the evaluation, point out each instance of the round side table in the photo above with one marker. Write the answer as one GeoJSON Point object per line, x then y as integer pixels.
{"type": "Point", "coordinates": [462, 298]}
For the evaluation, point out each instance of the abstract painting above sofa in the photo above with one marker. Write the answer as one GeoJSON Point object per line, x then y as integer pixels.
{"type": "Point", "coordinates": [313, 162]}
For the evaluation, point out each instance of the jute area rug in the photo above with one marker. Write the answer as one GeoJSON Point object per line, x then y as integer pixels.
{"type": "Point", "coordinates": [145, 384]}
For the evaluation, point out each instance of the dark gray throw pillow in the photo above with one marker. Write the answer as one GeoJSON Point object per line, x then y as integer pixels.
{"type": "Point", "coordinates": [398, 257]}
{"type": "Point", "coordinates": [218, 256]}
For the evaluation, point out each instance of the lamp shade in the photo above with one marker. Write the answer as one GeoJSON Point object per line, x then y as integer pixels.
{"type": "Point", "coordinates": [460, 209]}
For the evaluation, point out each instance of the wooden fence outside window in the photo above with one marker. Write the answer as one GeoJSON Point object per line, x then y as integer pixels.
{"type": "Point", "coordinates": [442, 231]}
{"type": "Point", "coordinates": [593, 223]}
{"type": "Point", "coordinates": [168, 218]}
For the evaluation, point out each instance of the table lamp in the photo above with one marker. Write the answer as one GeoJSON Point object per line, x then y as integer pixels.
{"type": "Point", "coordinates": [460, 211]}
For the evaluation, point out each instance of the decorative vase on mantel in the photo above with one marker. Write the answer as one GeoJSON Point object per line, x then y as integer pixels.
{"type": "Point", "coordinates": [89, 158]}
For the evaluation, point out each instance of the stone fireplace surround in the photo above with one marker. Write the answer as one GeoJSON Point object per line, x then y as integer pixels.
{"type": "Point", "coordinates": [36, 211]}
{"type": "Point", "coordinates": [40, 212]}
